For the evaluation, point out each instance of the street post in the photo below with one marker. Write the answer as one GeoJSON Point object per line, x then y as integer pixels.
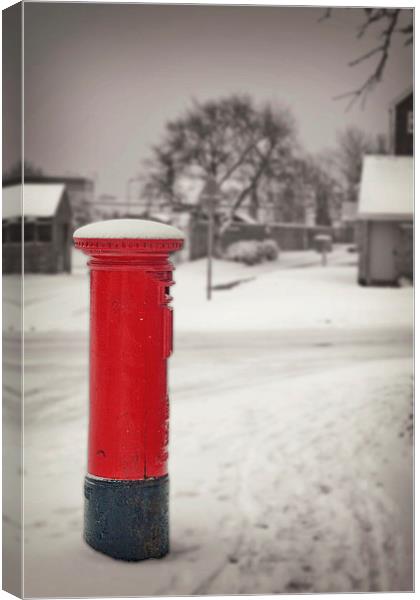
{"type": "Point", "coordinates": [209, 198]}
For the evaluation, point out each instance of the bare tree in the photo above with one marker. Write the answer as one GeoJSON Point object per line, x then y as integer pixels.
{"type": "Point", "coordinates": [392, 23]}
{"type": "Point", "coordinates": [315, 172]}
{"type": "Point", "coordinates": [353, 144]}
{"type": "Point", "coordinates": [231, 140]}
{"type": "Point", "coordinates": [269, 158]}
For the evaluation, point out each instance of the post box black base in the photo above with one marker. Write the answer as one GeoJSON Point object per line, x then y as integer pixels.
{"type": "Point", "coordinates": [127, 520]}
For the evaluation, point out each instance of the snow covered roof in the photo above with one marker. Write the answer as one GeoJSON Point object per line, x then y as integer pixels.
{"type": "Point", "coordinates": [12, 202]}
{"type": "Point", "coordinates": [128, 229]}
{"type": "Point", "coordinates": [39, 200]}
{"type": "Point", "coordinates": [386, 190]}
{"type": "Point", "coordinates": [161, 216]}
{"type": "Point", "coordinates": [242, 215]}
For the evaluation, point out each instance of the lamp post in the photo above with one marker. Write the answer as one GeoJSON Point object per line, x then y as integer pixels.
{"type": "Point", "coordinates": [209, 198]}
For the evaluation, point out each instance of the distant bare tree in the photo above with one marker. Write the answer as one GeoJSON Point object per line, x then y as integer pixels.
{"type": "Point", "coordinates": [316, 172]}
{"type": "Point", "coordinates": [15, 172]}
{"type": "Point", "coordinates": [353, 144]}
{"type": "Point", "coordinates": [392, 23]}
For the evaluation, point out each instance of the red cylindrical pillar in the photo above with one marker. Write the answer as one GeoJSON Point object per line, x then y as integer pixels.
{"type": "Point", "coordinates": [126, 488]}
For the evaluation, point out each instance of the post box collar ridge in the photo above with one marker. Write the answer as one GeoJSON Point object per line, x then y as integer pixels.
{"type": "Point", "coordinates": [113, 246]}
{"type": "Point", "coordinates": [128, 229]}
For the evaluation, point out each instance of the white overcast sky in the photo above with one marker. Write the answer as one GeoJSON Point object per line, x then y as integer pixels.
{"type": "Point", "coordinates": [102, 80]}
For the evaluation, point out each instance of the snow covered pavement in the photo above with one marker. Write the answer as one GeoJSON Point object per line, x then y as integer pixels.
{"type": "Point", "coordinates": [305, 508]}
{"type": "Point", "coordinates": [294, 485]}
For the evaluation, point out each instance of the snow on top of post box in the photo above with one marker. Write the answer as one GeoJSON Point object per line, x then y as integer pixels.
{"type": "Point", "coordinates": [128, 229]}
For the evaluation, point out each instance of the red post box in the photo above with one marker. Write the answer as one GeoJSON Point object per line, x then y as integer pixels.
{"type": "Point", "coordinates": [126, 487]}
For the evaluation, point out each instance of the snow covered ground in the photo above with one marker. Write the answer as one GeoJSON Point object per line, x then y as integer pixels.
{"type": "Point", "coordinates": [295, 292]}
{"type": "Point", "coordinates": [291, 435]}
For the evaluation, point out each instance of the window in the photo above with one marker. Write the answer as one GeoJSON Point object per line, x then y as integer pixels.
{"type": "Point", "coordinates": [5, 230]}
{"type": "Point", "coordinates": [15, 231]}
{"type": "Point", "coordinates": [29, 232]}
{"type": "Point", "coordinates": [44, 232]}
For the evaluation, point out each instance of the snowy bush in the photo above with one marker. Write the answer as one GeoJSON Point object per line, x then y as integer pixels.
{"type": "Point", "coordinates": [252, 252]}
{"type": "Point", "coordinates": [246, 251]}
{"type": "Point", "coordinates": [269, 249]}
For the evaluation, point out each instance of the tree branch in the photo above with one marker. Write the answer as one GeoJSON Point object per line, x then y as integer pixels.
{"type": "Point", "coordinates": [244, 193]}
{"type": "Point", "coordinates": [238, 163]}
{"type": "Point", "coordinates": [356, 61]}
{"type": "Point", "coordinates": [362, 92]}
{"type": "Point", "coordinates": [326, 15]}
{"type": "Point", "coordinates": [372, 17]}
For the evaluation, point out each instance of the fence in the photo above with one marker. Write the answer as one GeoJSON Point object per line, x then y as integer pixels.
{"type": "Point", "coordinates": [289, 236]}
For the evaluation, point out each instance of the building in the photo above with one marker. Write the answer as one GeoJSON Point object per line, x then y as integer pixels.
{"type": "Point", "coordinates": [385, 214]}
{"type": "Point", "coordinates": [47, 228]}
{"type": "Point", "coordinates": [80, 192]}
{"type": "Point", "coordinates": [401, 124]}
{"type": "Point", "coordinates": [386, 201]}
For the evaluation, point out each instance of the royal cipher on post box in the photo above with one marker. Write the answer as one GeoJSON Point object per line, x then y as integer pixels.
{"type": "Point", "coordinates": [126, 487]}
